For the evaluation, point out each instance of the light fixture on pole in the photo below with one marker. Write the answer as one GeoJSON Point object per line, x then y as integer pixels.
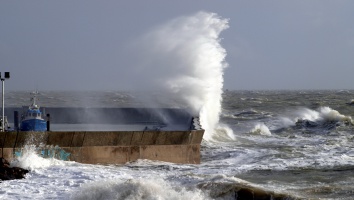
{"type": "Point", "coordinates": [6, 76]}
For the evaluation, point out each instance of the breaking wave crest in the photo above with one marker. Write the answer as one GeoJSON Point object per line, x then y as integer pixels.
{"type": "Point", "coordinates": [223, 133]}
{"type": "Point", "coordinates": [261, 129]}
{"type": "Point", "coordinates": [135, 189]}
{"type": "Point", "coordinates": [31, 160]}
{"type": "Point", "coordinates": [324, 117]}
{"type": "Point", "coordinates": [324, 114]}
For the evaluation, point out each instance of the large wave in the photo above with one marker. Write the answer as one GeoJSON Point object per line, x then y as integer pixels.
{"type": "Point", "coordinates": [324, 114]}
{"type": "Point", "coordinates": [135, 189]}
{"type": "Point", "coordinates": [324, 117]}
{"type": "Point", "coordinates": [184, 58]}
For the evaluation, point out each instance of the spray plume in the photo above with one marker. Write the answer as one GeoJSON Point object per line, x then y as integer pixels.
{"type": "Point", "coordinates": [184, 58]}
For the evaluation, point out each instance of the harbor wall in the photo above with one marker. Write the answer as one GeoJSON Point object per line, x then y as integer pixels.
{"type": "Point", "coordinates": [109, 147]}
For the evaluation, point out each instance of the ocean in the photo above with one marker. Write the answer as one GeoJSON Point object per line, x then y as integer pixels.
{"type": "Point", "coordinates": [298, 143]}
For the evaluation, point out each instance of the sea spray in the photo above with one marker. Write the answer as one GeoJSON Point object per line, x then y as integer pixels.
{"type": "Point", "coordinates": [135, 189]}
{"type": "Point", "coordinates": [30, 159]}
{"type": "Point", "coordinates": [184, 58]}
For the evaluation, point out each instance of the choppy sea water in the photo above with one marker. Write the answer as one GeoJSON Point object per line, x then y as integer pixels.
{"type": "Point", "coordinates": [294, 142]}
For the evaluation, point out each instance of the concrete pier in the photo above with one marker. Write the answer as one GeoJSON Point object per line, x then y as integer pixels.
{"type": "Point", "coordinates": [110, 147]}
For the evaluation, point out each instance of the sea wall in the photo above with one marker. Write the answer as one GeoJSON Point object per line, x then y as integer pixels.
{"type": "Point", "coordinates": [109, 147]}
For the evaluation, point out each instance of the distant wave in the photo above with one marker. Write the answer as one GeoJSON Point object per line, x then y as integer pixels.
{"type": "Point", "coordinates": [323, 117]}
{"type": "Point", "coordinates": [325, 114]}
{"type": "Point", "coordinates": [261, 129]}
{"type": "Point", "coordinates": [250, 114]}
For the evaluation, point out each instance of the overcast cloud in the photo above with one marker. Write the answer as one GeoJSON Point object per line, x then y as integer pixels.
{"type": "Point", "coordinates": [87, 45]}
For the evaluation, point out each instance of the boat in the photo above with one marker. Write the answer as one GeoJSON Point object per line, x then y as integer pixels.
{"type": "Point", "coordinates": [32, 119]}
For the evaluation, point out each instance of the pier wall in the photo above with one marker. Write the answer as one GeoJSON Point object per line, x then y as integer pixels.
{"type": "Point", "coordinates": [110, 147]}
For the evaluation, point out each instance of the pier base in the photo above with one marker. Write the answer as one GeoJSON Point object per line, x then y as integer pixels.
{"type": "Point", "coordinates": [107, 147]}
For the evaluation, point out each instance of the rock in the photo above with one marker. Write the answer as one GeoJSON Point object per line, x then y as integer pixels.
{"type": "Point", "coordinates": [10, 173]}
{"type": "Point", "coordinates": [241, 191]}
{"type": "Point", "coordinates": [351, 103]}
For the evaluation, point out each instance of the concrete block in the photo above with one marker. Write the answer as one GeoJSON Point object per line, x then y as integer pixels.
{"type": "Point", "coordinates": [177, 137]}
{"type": "Point", "coordinates": [197, 136]}
{"type": "Point", "coordinates": [78, 139]}
{"type": "Point", "coordinates": [104, 155]}
{"type": "Point", "coordinates": [137, 138]}
{"type": "Point", "coordinates": [168, 153]}
{"type": "Point", "coordinates": [7, 153]}
{"type": "Point", "coordinates": [62, 139]}
{"type": "Point", "coordinates": [99, 138]}
{"type": "Point", "coordinates": [9, 139]}
{"type": "Point", "coordinates": [20, 139]}
{"type": "Point", "coordinates": [161, 138]}
{"type": "Point", "coordinates": [134, 153]}
{"type": "Point", "coordinates": [123, 138]}
{"type": "Point", "coordinates": [149, 137]}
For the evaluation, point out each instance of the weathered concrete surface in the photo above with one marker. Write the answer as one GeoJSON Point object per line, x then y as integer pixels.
{"type": "Point", "coordinates": [113, 147]}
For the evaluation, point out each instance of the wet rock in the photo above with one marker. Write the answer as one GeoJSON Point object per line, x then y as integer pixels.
{"type": "Point", "coordinates": [10, 173]}
{"type": "Point", "coordinates": [351, 103]}
{"type": "Point", "coordinates": [239, 191]}
{"type": "Point", "coordinates": [306, 123]}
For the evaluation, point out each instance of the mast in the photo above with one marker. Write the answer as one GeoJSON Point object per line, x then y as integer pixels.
{"type": "Point", "coordinates": [34, 99]}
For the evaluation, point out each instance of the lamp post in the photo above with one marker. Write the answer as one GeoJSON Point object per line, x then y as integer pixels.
{"type": "Point", "coordinates": [6, 76]}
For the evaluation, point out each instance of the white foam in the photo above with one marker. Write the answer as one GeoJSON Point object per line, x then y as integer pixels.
{"type": "Point", "coordinates": [135, 189]}
{"type": "Point", "coordinates": [322, 114]}
{"type": "Point", "coordinates": [332, 115]}
{"type": "Point", "coordinates": [31, 160]}
{"type": "Point", "coordinates": [261, 129]}
{"type": "Point", "coordinates": [308, 114]}
{"type": "Point", "coordinates": [222, 133]}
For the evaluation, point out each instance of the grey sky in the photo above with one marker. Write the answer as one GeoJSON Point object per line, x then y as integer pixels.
{"type": "Point", "coordinates": [82, 45]}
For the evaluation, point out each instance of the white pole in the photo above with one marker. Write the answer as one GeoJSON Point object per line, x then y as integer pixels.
{"type": "Point", "coordinates": [3, 107]}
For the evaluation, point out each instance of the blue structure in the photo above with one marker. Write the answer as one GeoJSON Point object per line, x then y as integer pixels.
{"type": "Point", "coordinates": [32, 118]}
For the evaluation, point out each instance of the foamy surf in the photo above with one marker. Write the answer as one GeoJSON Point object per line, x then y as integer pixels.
{"type": "Point", "coordinates": [31, 160]}
{"type": "Point", "coordinates": [135, 189]}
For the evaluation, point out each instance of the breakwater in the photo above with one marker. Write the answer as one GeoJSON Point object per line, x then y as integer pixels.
{"type": "Point", "coordinates": [110, 135]}
{"type": "Point", "coordinates": [110, 147]}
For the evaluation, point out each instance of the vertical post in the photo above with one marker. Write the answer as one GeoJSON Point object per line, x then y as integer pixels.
{"type": "Point", "coordinates": [6, 76]}
{"type": "Point", "coordinates": [48, 122]}
{"type": "Point", "coordinates": [16, 126]}
{"type": "Point", "coordinates": [3, 108]}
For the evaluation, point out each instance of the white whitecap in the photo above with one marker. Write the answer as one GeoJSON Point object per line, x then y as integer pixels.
{"type": "Point", "coordinates": [135, 189]}
{"type": "Point", "coordinates": [261, 129]}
